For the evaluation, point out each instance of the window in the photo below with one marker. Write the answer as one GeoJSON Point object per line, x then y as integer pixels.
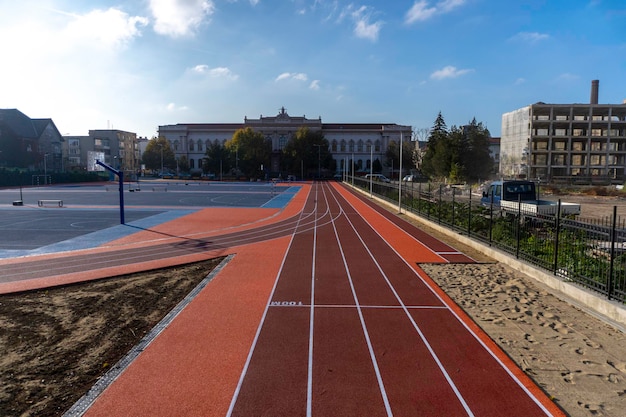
{"type": "Point", "coordinates": [351, 146]}
{"type": "Point", "coordinates": [191, 164]}
{"type": "Point", "coordinates": [191, 145]}
{"type": "Point", "coordinates": [199, 145]}
{"type": "Point", "coordinates": [360, 146]}
{"type": "Point", "coordinates": [343, 146]}
{"type": "Point", "coordinates": [377, 146]}
{"type": "Point", "coordinates": [334, 146]}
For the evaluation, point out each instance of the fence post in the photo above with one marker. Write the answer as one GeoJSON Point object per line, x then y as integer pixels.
{"type": "Point", "coordinates": [439, 206]}
{"type": "Point", "coordinates": [429, 202]}
{"type": "Point", "coordinates": [609, 284]}
{"type": "Point", "coordinates": [556, 238]}
{"type": "Point", "coordinates": [491, 219]}
{"type": "Point", "coordinates": [453, 207]}
{"type": "Point", "coordinates": [469, 215]}
{"type": "Point", "coordinates": [519, 225]}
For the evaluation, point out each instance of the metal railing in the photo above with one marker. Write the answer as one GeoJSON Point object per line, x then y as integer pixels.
{"type": "Point", "coordinates": [590, 253]}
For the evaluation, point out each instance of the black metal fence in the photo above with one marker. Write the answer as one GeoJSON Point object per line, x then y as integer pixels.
{"type": "Point", "coordinates": [590, 253]}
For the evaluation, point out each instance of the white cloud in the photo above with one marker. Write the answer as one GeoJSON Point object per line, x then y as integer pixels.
{"type": "Point", "coordinates": [291, 76]}
{"type": "Point", "coordinates": [422, 10]}
{"type": "Point", "coordinates": [178, 18]}
{"type": "Point", "coordinates": [109, 28]}
{"type": "Point", "coordinates": [448, 72]}
{"type": "Point", "coordinates": [315, 85]}
{"type": "Point", "coordinates": [218, 72]}
{"type": "Point", "coordinates": [172, 107]}
{"type": "Point", "coordinates": [530, 37]}
{"type": "Point", "coordinates": [362, 26]}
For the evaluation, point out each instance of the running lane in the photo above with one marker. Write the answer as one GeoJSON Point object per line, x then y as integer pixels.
{"type": "Point", "coordinates": [353, 327]}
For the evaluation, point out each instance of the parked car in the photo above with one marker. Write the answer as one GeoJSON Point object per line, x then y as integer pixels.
{"type": "Point", "coordinates": [414, 178]}
{"type": "Point", "coordinates": [377, 177]}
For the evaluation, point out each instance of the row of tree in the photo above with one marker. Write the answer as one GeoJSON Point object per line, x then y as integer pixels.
{"type": "Point", "coordinates": [249, 153]}
{"type": "Point", "coordinates": [457, 154]}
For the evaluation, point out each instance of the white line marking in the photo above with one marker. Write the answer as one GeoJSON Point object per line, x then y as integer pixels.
{"type": "Point", "coordinates": [493, 355]}
{"type": "Point", "coordinates": [309, 383]}
{"type": "Point", "coordinates": [258, 331]}
{"type": "Point", "coordinates": [379, 377]}
{"type": "Point", "coordinates": [406, 311]}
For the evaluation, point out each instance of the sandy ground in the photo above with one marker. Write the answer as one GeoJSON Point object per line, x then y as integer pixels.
{"type": "Point", "coordinates": [56, 343]}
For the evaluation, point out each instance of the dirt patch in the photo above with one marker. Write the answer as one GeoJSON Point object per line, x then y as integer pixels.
{"type": "Point", "coordinates": [56, 343]}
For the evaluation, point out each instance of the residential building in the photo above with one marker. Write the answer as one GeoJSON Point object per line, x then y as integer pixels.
{"type": "Point", "coordinates": [361, 143]}
{"type": "Point", "coordinates": [582, 143]}
{"type": "Point", "coordinates": [494, 153]}
{"type": "Point", "coordinates": [34, 144]}
{"type": "Point", "coordinates": [117, 148]}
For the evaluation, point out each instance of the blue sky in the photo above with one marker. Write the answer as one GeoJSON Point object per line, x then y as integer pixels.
{"type": "Point", "coordinates": [135, 65]}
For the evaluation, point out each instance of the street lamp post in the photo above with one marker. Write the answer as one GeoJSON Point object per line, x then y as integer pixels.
{"type": "Point", "coordinates": [371, 167]}
{"type": "Point", "coordinates": [400, 178]}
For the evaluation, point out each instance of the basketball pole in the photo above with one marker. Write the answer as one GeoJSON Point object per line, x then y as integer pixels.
{"type": "Point", "coordinates": [120, 176]}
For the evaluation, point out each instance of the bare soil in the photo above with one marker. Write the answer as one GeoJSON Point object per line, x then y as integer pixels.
{"type": "Point", "coordinates": [56, 343]}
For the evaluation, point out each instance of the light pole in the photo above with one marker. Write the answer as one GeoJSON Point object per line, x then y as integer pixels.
{"type": "Point", "coordinates": [400, 178]}
{"type": "Point", "coordinates": [371, 167]}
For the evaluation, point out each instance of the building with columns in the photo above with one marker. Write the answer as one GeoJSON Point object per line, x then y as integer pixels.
{"type": "Point", "coordinates": [362, 143]}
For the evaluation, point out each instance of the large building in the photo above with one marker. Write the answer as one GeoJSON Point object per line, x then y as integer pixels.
{"type": "Point", "coordinates": [362, 143]}
{"type": "Point", "coordinates": [581, 143]}
{"type": "Point", "coordinates": [119, 148]}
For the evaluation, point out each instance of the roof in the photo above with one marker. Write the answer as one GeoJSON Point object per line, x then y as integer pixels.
{"type": "Point", "coordinates": [18, 123]}
{"type": "Point", "coordinates": [23, 126]}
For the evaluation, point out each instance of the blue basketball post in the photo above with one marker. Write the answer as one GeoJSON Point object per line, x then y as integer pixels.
{"type": "Point", "coordinates": [120, 176]}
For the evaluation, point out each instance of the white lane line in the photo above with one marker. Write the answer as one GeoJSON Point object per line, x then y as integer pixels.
{"type": "Point", "coordinates": [318, 306]}
{"type": "Point", "coordinates": [379, 378]}
{"type": "Point", "coordinates": [258, 331]}
{"type": "Point", "coordinates": [406, 311]}
{"type": "Point", "coordinates": [478, 339]}
{"type": "Point", "coordinates": [309, 383]}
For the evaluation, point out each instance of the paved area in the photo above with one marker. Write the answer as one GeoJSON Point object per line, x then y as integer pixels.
{"type": "Point", "coordinates": [90, 214]}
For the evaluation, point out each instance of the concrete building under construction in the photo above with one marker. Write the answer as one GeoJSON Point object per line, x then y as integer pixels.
{"type": "Point", "coordinates": [573, 143]}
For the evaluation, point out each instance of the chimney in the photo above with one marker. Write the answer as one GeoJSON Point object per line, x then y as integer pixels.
{"type": "Point", "coordinates": [595, 84]}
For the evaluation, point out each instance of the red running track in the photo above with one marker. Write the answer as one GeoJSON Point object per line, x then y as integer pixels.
{"type": "Point", "coordinates": [348, 326]}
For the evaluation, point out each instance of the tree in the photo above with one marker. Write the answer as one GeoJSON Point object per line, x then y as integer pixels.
{"type": "Point", "coordinates": [182, 164]}
{"type": "Point", "coordinates": [152, 155]}
{"type": "Point", "coordinates": [307, 150]}
{"type": "Point", "coordinates": [393, 155]}
{"type": "Point", "coordinates": [458, 154]}
{"type": "Point", "coordinates": [475, 155]}
{"type": "Point", "coordinates": [438, 157]}
{"type": "Point", "coordinates": [217, 159]}
{"type": "Point", "coordinates": [252, 151]}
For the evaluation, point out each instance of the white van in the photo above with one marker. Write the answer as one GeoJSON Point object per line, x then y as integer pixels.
{"type": "Point", "coordinates": [377, 177]}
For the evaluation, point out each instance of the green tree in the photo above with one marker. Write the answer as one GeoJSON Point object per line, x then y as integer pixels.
{"type": "Point", "coordinates": [156, 147]}
{"type": "Point", "coordinates": [217, 160]}
{"type": "Point", "coordinates": [475, 155]}
{"type": "Point", "coordinates": [183, 164]}
{"type": "Point", "coordinates": [440, 153]}
{"type": "Point", "coordinates": [307, 151]}
{"type": "Point", "coordinates": [252, 151]}
{"type": "Point", "coordinates": [393, 155]}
